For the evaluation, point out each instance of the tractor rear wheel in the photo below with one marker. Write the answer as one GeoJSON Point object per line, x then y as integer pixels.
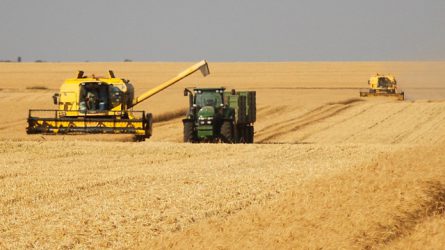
{"type": "Point", "coordinates": [189, 134]}
{"type": "Point", "coordinates": [227, 133]}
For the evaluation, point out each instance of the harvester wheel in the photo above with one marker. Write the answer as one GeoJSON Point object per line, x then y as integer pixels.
{"type": "Point", "coordinates": [227, 133]}
{"type": "Point", "coordinates": [139, 138]}
{"type": "Point", "coordinates": [148, 128]}
{"type": "Point", "coordinates": [189, 134]}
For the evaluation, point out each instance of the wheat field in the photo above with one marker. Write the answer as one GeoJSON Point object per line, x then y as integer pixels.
{"type": "Point", "coordinates": [328, 169]}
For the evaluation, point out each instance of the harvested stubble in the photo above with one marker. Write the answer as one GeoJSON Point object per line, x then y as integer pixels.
{"type": "Point", "coordinates": [395, 201]}
{"type": "Point", "coordinates": [106, 194]}
{"type": "Point", "coordinates": [330, 172]}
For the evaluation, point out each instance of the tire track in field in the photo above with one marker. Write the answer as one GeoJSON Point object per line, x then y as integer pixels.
{"type": "Point", "coordinates": [361, 112]}
{"type": "Point", "coordinates": [397, 113]}
{"type": "Point", "coordinates": [288, 122]}
{"type": "Point", "coordinates": [313, 116]}
{"type": "Point", "coordinates": [404, 134]}
{"type": "Point", "coordinates": [436, 124]}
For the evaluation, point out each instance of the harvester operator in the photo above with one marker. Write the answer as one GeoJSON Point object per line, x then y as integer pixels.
{"type": "Point", "coordinates": [91, 100]}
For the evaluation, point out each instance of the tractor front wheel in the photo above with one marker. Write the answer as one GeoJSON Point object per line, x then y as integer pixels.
{"type": "Point", "coordinates": [189, 133]}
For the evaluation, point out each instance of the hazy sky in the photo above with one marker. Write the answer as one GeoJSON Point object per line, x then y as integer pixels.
{"type": "Point", "coordinates": [229, 30]}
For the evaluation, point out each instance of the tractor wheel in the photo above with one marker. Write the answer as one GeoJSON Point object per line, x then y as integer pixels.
{"type": "Point", "coordinates": [227, 132]}
{"type": "Point", "coordinates": [189, 134]}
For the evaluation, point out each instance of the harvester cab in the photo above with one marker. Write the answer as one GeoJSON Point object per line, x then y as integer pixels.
{"type": "Point", "coordinates": [383, 85]}
{"type": "Point", "coordinates": [94, 96]}
{"type": "Point", "coordinates": [218, 115]}
{"type": "Point", "coordinates": [100, 105]}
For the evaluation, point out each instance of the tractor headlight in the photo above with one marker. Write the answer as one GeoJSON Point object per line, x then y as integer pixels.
{"type": "Point", "coordinates": [205, 121]}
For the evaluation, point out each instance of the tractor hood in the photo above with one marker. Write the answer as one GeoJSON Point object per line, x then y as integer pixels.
{"type": "Point", "coordinates": [206, 111]}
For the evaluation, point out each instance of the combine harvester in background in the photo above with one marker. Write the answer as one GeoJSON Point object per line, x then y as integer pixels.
{"type": "Point", "coordinates": [100, 105]}
{"type": "Point", "coordinates": [383, 85]}
{"type": "Point", "coordinates": [218, 115]}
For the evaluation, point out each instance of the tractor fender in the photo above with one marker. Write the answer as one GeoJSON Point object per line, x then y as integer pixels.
{"type": "Point", "coordinates": [187, 120]}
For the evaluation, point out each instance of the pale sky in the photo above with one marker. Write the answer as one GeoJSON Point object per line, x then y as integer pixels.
{"type": "Point", "coordinates": [229, 30]}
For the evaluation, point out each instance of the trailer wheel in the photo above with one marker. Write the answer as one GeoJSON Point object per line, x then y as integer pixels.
{"type": "Point", "coordinates": [250, 134]}
{"type": "Point", "coordinates": [189, 133]}
{"type": "Point", "coordinates": [241, 134]}
{"type": "Point", "coordinates": [227, 133]}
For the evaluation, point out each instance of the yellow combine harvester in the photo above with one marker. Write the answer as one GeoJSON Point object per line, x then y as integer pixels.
{"type": "Point", "coordinates": [383, 85]}
{"type": "Point", "coordinates": [100, 105]}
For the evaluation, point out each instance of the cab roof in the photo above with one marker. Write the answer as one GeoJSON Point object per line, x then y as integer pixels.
{"type": "Point", "coordinates": [78, 81]}
{"type": "Point", "coordinates": [81, 78]}
{"type": "Point", "coordinates": [209, 89]}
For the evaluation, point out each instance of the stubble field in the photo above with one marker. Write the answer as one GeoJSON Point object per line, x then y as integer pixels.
{"type": "Point", "coordinates": [328, 170]}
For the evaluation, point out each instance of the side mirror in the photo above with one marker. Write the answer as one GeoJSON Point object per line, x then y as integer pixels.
{"type": "Point", "coordinates": [186, 92]}
{"type": "Point", "coordinates": [56, 98]}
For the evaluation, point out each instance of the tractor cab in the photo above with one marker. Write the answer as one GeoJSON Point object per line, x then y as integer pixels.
{"type": "Point", "coordinates": [213, 97]}
{"type": "Point", "coordinates": [207, 105]}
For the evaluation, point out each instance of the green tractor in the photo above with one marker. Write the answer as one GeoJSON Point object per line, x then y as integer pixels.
{"type": "Point", "coordinates": [216, 115]}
